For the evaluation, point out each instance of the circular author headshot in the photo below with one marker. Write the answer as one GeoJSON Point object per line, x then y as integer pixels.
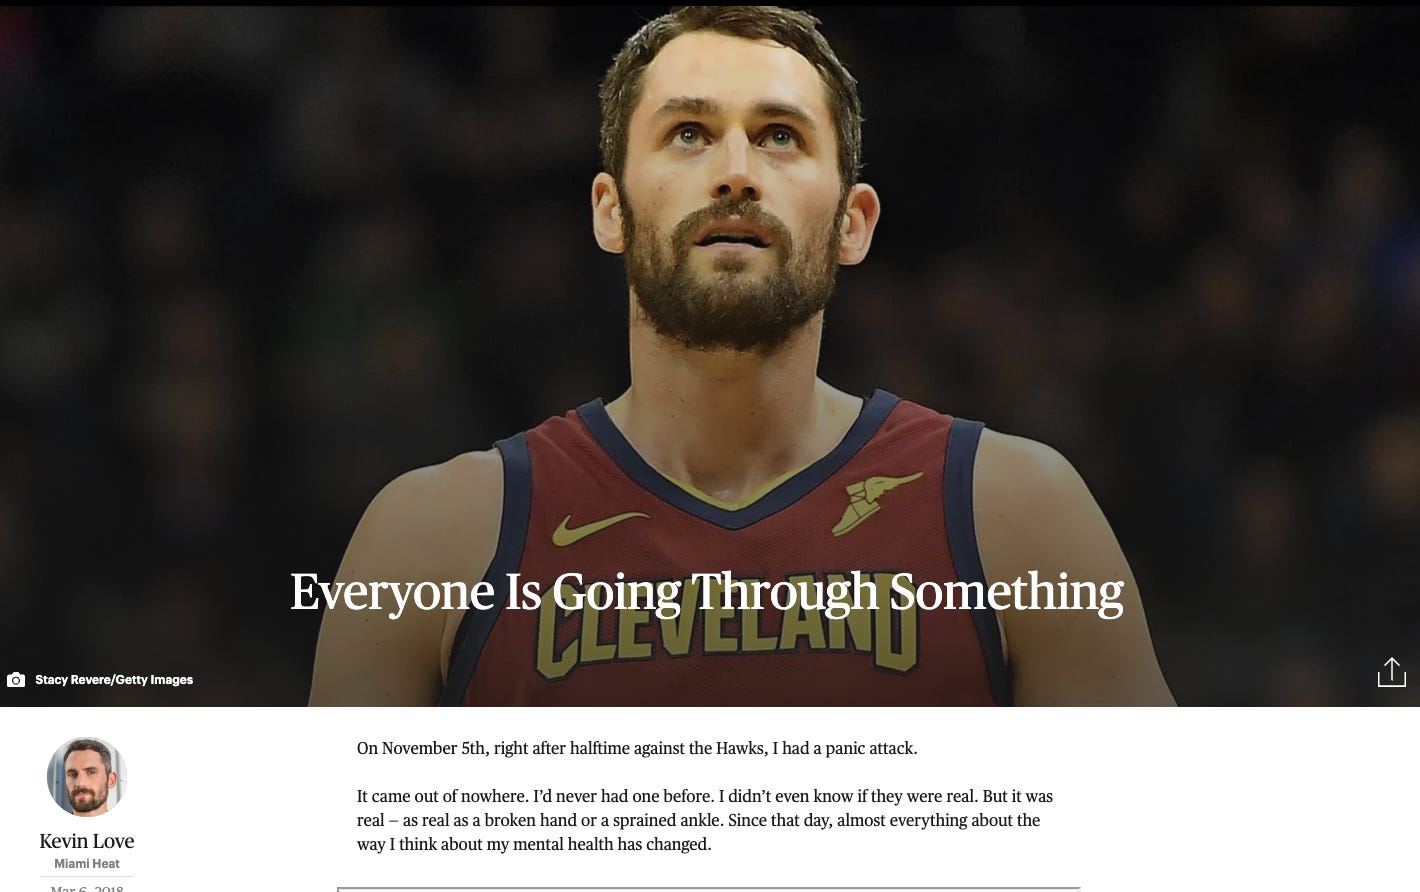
{"type": "Point", "coordinates": [87, 777]}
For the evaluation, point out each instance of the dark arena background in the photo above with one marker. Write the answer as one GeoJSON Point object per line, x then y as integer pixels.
{"type": "Point", "coordinates": [256, 263]}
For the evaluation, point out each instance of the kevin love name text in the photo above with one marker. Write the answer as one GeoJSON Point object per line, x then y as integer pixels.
{"type": "Point", "coordinates": [75, 841]}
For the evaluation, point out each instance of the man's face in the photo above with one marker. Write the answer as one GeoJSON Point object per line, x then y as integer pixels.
{"type": "Point", "coordinates": [731, 197]}
{"type": "Point", "coordinates": [87, 781]}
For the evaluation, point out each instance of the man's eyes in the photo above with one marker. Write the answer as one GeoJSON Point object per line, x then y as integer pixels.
{"type": "Point", "coordinates": [689, 134]}
{"type": "Point", "coordinates": [780, 137]}
{"type": "Point", "coordinates": [775, 136]}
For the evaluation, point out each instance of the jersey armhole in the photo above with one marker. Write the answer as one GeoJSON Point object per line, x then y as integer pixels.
{"type": "Point", "coordinates": [959, 506]}
{"type": "Point", "coordinates": [477, 625]}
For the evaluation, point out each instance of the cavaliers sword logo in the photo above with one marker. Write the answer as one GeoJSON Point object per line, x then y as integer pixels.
{"type": "Point", "coordinates": [863, 500]}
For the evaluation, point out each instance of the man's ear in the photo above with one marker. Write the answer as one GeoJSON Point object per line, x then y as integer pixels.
{"type": "Point", "coordinates": [606, 214]}
{"type": "Point", "coordinates": [112, 780]}
{"type": "Point", "coordinates": [860, 218]}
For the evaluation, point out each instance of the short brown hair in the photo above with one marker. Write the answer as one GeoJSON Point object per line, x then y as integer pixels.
{"type": "Point", "coordinates": [94, 745]}
{"type": "Point", "coordinates": [621, 88]}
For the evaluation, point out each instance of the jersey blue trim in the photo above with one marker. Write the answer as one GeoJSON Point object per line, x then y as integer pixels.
{"type": "Point", "coordinates": [874, 412]}
{"type": "Point", "coordinates": [958, 502]}
{"type": "Point", "coordinates": [477, 625]}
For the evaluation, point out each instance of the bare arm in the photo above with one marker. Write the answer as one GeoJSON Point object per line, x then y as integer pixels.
{"type": "Point", "coordinates": [1033, 512]}
{"type": "Point", "coordinates": [438, 524]}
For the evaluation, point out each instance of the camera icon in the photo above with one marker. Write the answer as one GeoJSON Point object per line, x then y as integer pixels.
{"type": "Point", "coordinates": [15, 680]}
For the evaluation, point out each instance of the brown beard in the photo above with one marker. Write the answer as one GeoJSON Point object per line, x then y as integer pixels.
{"type": "Point", "coordinates": [96, 802]}
{"type": "Point", "coordinates": [728, 310]}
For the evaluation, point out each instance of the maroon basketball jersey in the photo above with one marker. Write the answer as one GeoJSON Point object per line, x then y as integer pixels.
{"type": "Point", "coordinates": [893, 497]}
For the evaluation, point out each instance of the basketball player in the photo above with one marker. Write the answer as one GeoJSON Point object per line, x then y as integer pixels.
{"type": "Point", "coordinates": [88, 775]}
{"type": "Point", "coordinates": [730, 139]}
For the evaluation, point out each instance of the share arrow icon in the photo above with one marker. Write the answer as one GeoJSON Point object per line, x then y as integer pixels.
{"type": "Point", "coordinates": [1392, 683]}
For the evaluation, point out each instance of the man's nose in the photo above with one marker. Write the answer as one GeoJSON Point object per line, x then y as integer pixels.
{"type": "Point", "coordinates": [736, 177]}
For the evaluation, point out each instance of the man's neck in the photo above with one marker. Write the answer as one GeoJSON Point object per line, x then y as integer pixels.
{"type": "Point", "coordinates": [728, 423]}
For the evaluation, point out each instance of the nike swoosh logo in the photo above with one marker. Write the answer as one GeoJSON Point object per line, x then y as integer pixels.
{"type": "Point", "coordinates": [564, 535]}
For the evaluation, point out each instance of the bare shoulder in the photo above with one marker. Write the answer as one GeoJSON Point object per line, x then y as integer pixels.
{"type": "Point", "coordinates": [434, 517]}
{"type": "Point", "coordinates": [437, 524]}
{"type": "Point", "coordinates": [1034, 512]}
{"type": "Point", "coordinates": [1030, 502]}
{"type": "Point", "coordinates": [1020, 482]}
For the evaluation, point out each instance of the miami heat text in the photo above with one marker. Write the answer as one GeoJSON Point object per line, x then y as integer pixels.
{"type": "Point", "coordinates": [837, 595]}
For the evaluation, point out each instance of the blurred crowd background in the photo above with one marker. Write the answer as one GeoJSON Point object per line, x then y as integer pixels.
{"type": "Point", "coordinates": [256, 263]}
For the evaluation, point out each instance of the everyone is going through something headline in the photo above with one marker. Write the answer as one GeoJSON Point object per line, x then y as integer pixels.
{"type": "Point", "coordinates": [837, 595]}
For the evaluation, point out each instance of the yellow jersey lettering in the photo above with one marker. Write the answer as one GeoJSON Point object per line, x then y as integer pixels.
{"type": "Point", "coordinates": [752, 637]}
{"type": "Point", "coordinates": [802, 623]}
{"type": "Point", "coordinates": [627, 647]}
{"type": "Point", "coordinates": [594, 650]}
{"type": "Point", "coordinates": [677, 631]}
{"type": "Point", "coordinates": [858, 624]}
{"type": "Point", "coordinates": [899, 655]}
{"type": "Point", "coordinates": [716, 641]}
{"type": "Point", "coordinates": [891, 638]}
{"type": "Point", "coordinates": [550, 664]}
